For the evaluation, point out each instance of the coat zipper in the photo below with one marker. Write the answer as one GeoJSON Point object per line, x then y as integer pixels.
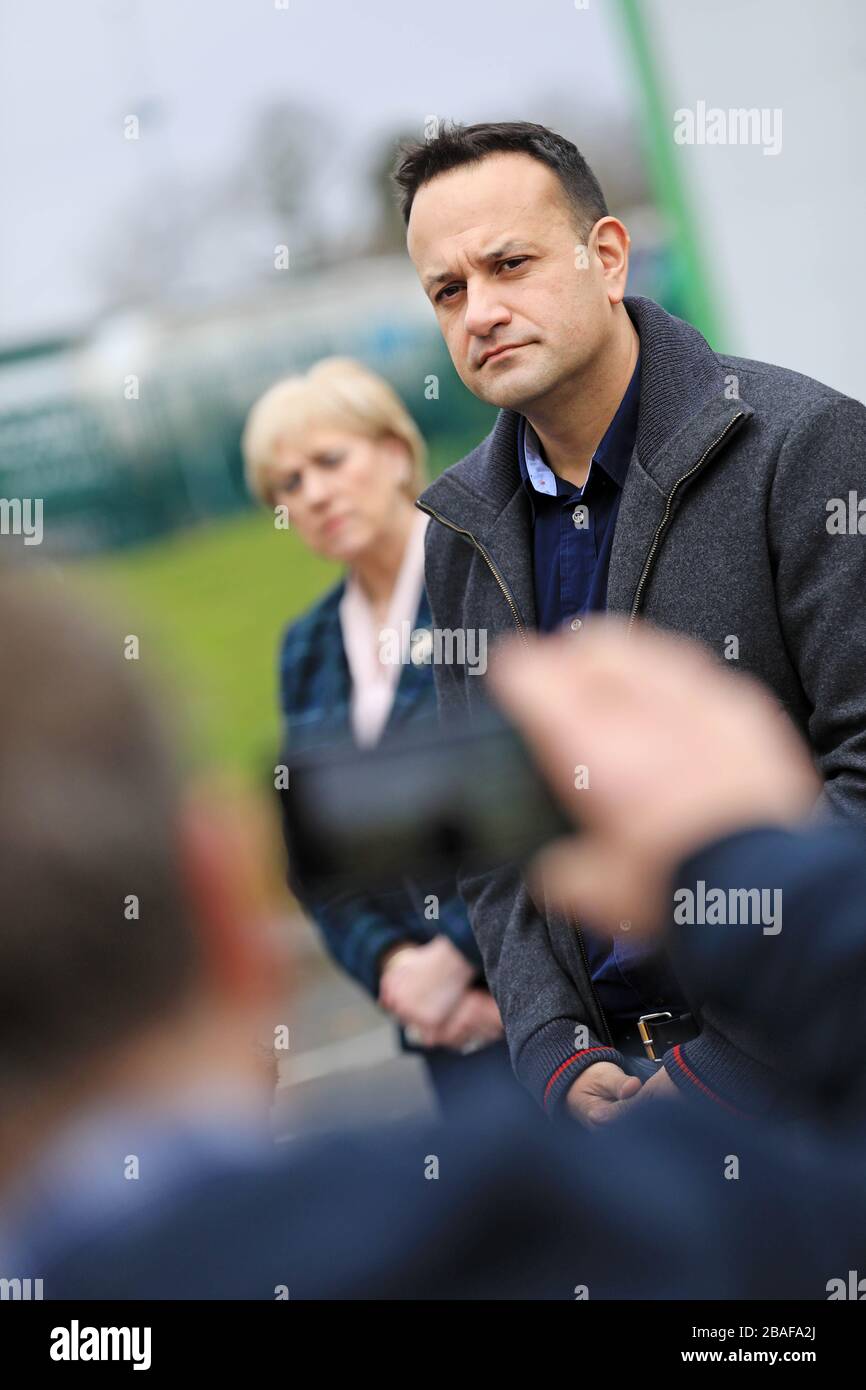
{"type": "Point", "coordinates": [637, 598]}
{"type": "Point", "coordinates": [667, 512]}
{"type": "Point", "coordinates": [601, 1013]}
{"type": "Point", "coordinates": [494, 571]}
{"type": "Point", "coordinates": [512, 605]}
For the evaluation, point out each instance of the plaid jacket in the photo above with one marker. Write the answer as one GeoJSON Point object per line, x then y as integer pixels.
{"type": "Point", "coordinates": [315, 688]}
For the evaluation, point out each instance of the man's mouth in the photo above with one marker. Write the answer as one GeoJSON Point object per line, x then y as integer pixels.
{"type": "Point", "coordinates": [499, 352]}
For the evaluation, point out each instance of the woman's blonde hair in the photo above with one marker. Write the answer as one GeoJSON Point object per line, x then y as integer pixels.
{"type": "Point", "coordinates": [339, 393]}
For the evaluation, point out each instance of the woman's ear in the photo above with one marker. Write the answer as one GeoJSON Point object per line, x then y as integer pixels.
{"type": "Point", "coordinates": [398, 451]}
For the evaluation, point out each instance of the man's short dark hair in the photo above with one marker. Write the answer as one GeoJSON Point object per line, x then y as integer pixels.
{"type": "Point", "coordinates": [455, 145]}
{"type": "Point", "coordinates": [89, 813]}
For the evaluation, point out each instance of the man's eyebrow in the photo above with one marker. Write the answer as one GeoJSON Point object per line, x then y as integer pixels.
{"type": "Point", "coordinates": [498, 253]}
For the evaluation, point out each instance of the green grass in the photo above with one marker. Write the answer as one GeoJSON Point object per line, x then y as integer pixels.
{"type": "Point", "coordinates": [208, 606]}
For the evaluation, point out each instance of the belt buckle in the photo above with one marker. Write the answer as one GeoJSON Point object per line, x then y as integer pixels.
{"type": "Point", "coordinates": [643, 1028]}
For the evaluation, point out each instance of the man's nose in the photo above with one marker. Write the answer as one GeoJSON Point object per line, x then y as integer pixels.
{"type": "Point", "coordinates": [484, 310]}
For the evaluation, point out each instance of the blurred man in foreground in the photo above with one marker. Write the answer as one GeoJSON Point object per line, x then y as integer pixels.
{"type": "Point", "coordinates": [127, 1034]}
{"type": "Point", "coordinates": [134, 1157]}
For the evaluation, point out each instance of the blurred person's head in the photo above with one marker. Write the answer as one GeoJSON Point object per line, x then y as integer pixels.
{"type": "Point", "coordinates": [337, 449]}
{"type": "Point", "coordinates": [510, 234]}
{"type": "Point", "coordinates": [129, 963]}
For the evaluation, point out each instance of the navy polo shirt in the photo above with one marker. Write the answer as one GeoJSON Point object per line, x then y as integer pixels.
{"type": "Point", "coordinates": [572, 536]}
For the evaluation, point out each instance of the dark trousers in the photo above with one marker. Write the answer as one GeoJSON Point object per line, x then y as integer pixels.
{"type": "Point", "coordinates": [453, 1074]}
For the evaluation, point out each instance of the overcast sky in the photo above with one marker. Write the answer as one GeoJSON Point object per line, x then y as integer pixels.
{"type": "Point", "coordinates": [196, 70]}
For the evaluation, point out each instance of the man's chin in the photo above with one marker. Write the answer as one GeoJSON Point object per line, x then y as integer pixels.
{"type": "Point", "coordinates": [514, 390]}
{"type": "Point", "coordinates": [514, 395]}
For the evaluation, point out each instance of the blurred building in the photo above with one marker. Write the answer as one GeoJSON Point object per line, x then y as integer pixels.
{"type": "Point", "coordinates": [133, 428]}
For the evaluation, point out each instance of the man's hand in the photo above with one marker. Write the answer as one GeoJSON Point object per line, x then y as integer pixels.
{"type": "Point", "coordinates": [674, 751]}
{"type": "Point", "coordinates": [600, 1092]}
{"type": "Point", "coordinates": [422, 985]}
{"type": "Point", "coordinates": [658, 1087]}
{"type": "Point", "coordinates": [475, 1020]}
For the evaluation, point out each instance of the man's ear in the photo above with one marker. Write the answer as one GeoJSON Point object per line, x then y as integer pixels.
{"type": "Point", "coordinates": [611, 243]}
{"type": "Point", "coordinates": [224, 883]}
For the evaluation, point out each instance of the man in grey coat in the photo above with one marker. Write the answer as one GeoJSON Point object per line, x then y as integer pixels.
{"type": "Point", "coordinates": [630, 469]}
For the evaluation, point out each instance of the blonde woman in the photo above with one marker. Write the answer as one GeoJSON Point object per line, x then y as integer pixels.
{"type": "Point", "coordinates": [340, 452]}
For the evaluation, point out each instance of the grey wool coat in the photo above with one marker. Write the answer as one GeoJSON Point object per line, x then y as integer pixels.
{"type": "Point", "coordinates": [724, 530]}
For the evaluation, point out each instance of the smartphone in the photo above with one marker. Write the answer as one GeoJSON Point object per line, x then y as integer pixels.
{"type": "Point", "coordinates": [424, 804]}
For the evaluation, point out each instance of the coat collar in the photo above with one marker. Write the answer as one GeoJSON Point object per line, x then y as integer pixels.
{"type": "Point", "coordinates": [685, 415]}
